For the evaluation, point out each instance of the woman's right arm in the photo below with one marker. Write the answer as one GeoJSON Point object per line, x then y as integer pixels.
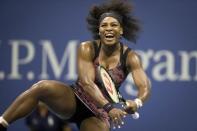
{"type": "Point", "coordinates": [86, 73]}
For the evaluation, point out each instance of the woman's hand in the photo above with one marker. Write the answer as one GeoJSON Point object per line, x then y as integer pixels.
{"type": "Point", "coordinates": [116, 115]}
{"type": "Point", "coordinates": [131, 106]}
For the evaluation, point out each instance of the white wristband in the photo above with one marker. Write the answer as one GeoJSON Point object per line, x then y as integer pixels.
{"type": "Point", "coordinates": [138, 102]}
{"type": "Point", "coordinates": [3, 122]}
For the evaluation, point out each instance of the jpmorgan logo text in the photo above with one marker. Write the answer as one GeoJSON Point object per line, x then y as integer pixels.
{"type": "Point", "coordinates": [47, 58]}
{"type": "Point", "coordinates": [162, 64]}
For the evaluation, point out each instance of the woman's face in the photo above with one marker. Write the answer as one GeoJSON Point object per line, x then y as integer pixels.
{"type": "Point", "coordinates": [110, 31]}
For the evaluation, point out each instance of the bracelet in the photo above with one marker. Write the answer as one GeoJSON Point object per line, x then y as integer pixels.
{"type": "Point", "coordinates": [108, 107]}
{"type": "Point", "coordinates": [138, 102]}
{"type": "Point", "coordinates": [3, 122]}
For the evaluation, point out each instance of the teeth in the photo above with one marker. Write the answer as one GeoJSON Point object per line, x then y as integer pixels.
{"type": "Point", "coordinates": [109, 35]}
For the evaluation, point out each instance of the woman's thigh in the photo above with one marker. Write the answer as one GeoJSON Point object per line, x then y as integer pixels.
{"type": "Point", "coordinates": [58, 96]}
{"type": "Point", "coordinates": [93, 123]}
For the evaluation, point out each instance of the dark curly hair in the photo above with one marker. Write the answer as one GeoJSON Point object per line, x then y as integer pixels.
{"type": "Point", "coordinates": [121, 7]}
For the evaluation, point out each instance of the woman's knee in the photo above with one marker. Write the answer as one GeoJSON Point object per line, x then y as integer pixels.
{"type": "Point", "coordinates": [55, 94]}
{"type": "Point", "coordinates": [40, 88]}
{"type": "Point", "coordinates": [50, 89]}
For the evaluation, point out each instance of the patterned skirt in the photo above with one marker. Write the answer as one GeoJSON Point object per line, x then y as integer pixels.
{"type": "Point", "coordinates": [90, 103]}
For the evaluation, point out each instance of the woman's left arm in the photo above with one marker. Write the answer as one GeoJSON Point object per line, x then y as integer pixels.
{"type": "Point", "coordinates": [140, 78]}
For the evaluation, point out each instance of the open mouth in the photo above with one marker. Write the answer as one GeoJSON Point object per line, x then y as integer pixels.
{"type": "Point", "coordinates": [109, 36]}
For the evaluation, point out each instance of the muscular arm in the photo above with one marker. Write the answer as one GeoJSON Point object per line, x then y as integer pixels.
{"type": "Point", "coordinates": [86, 73]}
{"type": "Point", "coordinates": [139, 76]}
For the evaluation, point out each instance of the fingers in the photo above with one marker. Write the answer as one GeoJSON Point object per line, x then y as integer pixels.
{"type": "Point", "coordinates": [117, 120]}
{"type": "Point", "coordinates": [117, 123]}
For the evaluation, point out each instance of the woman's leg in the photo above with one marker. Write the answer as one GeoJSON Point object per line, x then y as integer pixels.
{"type": "Point", "coordinates": [93, 123]}
{"type": "Point", "coordinates": [57, 96]}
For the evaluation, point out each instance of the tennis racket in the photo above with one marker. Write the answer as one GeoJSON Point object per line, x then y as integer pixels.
{"type": "Point", "coordinates": [110, 90]}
